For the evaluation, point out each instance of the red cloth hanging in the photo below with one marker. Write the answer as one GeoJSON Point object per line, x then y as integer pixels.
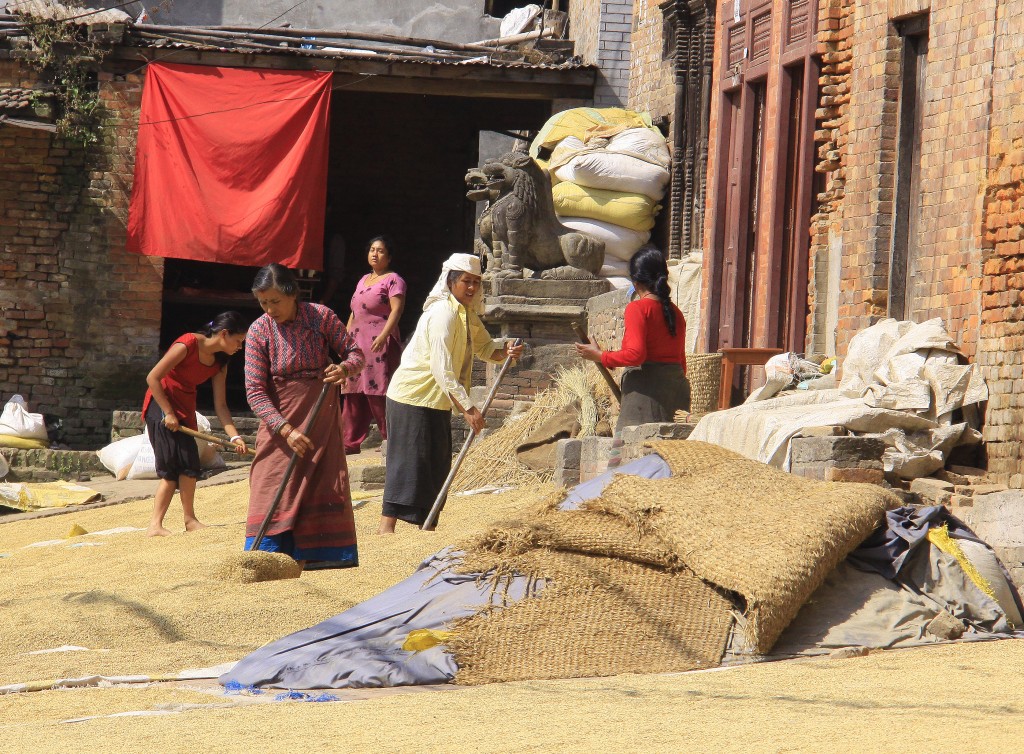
{"type": "Point", "coordinates": [231, 166]}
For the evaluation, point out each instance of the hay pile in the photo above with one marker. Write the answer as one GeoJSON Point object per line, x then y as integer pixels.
{"type": "Point", "coordinates": [155, 606]}
{"type": "Point", "coordinates": [492, 459]}
{"type": "Point", "coordinates": [647, 577]}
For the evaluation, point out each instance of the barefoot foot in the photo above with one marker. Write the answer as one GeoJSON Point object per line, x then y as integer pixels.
{"type": "Point", "coordinates": [194, 525]}
{"type": "Point", "coordinates": [158, 531]}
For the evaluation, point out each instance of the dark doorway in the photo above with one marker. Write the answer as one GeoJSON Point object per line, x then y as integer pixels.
{"type": "Point", "coordinates": [907, 207]}
{"type": "Point", "coordinates": [396, 166]}
{"type": "Point", "coordinates": [791, 267]}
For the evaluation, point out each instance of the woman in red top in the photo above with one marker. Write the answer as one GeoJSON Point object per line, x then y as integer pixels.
{"type": "Point", "coordinates": [654, 384]}
{"type": "Point", "coordinates": [170, 403]}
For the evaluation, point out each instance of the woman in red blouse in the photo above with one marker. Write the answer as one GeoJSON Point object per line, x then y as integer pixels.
{"type": "Point", "coordinates": [170, 403]}
{"type": "Point", "coordinates": [654, 384]}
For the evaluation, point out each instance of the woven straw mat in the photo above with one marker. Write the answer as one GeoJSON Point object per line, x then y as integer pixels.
{"type": "Point", "coordinates": [645, 578]}
{"type": "Point", "coordinates": [704, 371]}
{"type": "Point", "coordinates": [749, 528]}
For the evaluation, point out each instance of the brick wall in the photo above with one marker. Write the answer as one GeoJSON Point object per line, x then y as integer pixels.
{"type": "Point", "coordinates": [80, 317]}
{"type": "Point", "coordinates": [585, 28]}
{"type": "Point", "coordinates": [651, 77]}
{"type": "Point", "coordinates": [613, 51]}
{"type": "Point", "coordinates": [1000, 348]}
{"type": "Point", "coordinates": [953, 150]}
{"type": "Point", "coordinates": [970, 263]}
{"type": "Point", "coordinates": [835, 26]}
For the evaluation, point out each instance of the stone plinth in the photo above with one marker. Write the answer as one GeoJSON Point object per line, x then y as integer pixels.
{"type": "Point", "coordinates": [541, 311]}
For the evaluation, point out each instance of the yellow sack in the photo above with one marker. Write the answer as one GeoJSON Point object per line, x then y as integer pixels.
{"type": "Point", "coordinates": [585, 123]}
{"type": "Point", "coordinates": [33, 496]}
{"type": "Point", "coordinates": [633, 211]}
{"type": "Point", "coordinates": [23, 443]}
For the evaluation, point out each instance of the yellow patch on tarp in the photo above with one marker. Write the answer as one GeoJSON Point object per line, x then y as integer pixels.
{"type": "Point", "coordinates": [941, 539]}
{"type": "Point", "coordinates": [425, 638]}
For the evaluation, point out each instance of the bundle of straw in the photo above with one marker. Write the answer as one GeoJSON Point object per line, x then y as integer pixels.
{"type": "Point", "coordinates": [492, 460]}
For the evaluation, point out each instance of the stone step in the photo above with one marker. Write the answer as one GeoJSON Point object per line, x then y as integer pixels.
{"type": "Point", "coordinates": [369, 477]}
{"type": "Point", "coordinates": [45, 465]}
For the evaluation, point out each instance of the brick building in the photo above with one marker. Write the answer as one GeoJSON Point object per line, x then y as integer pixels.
{"type": "Point", "coordinates": [82, 321]}
{"type": "Point", "coordinates": [914, 207]}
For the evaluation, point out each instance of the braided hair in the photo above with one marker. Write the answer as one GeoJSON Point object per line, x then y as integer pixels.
{"type": "Point", "coordinates": [648, 268]}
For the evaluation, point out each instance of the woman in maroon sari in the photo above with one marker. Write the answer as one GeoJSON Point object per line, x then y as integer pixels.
{"type": "Point", "coordinates": [287, 360]}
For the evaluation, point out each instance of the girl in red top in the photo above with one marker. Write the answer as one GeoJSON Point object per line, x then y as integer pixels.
{"type": "Point", "coordinates": [170, 403]}
{"type": "Point", "coordinates": [654, 385]}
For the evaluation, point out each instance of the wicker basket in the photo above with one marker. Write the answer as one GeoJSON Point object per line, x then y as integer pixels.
{"type": "Point", "coordinates": [704, 371]}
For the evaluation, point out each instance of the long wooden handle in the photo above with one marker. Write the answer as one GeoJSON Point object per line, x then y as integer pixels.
{"type": "Point", "coordinates": [288, 472]}
{"type": "Point", "coordinates": [227, 444]}
{"type": "Point", "coordinates": [439, 501]}
{"type": "Point", "coordinates": [585, 339]}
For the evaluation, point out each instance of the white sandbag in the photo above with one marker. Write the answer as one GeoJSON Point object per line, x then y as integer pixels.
{"type": "Point", "coordinates": [16, 420]}
{"type": "Point", "coordinates": [619, 243]}
{"type": "Point", "coordinates": [615, 171]}
{"type": "Point", "coordinates": [144, 466]}
{"type": "Point", "coordinates": [645, 143]}
{"type": "Point", "coordinates": [614, 268]}
{"type": "Point", "coordinates": [684, 280]}
{"type": "Point", "coordinates": [207, 451]}
{"type": "Point", "coordinates": [119, 456]}
{"type": "Point", "coordinates": [565, 150]}
{"type": "Point", "coordinates": [618, 283]}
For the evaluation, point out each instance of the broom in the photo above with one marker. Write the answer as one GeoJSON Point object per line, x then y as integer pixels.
{"type": "Point", "coordinates": [436, 508]}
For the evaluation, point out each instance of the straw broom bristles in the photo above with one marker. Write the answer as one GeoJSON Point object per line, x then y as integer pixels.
{"type": "Point", "coordinates": [492, 460]}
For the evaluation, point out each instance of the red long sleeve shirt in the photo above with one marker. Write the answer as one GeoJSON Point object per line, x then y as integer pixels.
{"type": "Point", "coordinates": [647, 338]}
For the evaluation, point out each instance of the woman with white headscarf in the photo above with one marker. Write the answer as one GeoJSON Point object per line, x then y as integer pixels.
{"type": "Point", "coordinates": [432, 380]}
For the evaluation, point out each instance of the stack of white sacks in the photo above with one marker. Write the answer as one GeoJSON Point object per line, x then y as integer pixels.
{"type": "Point", "coordinates": [610, 189]}
{"type": "Point", "coordinates": [132, 457]}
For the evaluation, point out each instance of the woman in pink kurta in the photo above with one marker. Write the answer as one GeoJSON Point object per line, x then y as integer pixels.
{"type": "Point", "coordinates": [376, 308]}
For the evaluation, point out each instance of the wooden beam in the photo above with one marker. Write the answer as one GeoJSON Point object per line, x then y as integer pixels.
{"type": "Point", "coordinates": [383, 76]}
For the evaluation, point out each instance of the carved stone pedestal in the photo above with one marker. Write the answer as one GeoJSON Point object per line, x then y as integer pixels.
{"type": "Point", "coordinates": [540, 311]}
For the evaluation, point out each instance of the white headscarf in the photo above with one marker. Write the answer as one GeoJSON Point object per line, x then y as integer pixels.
{"type": "Point", "coordinates": [463, 263]}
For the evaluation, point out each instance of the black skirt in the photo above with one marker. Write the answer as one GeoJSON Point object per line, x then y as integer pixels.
{"type": "Point", "coordinates": [419, 459]}
{"type": "Point", "coordinates": [652, 393]}
{"type": "Point", "coordinates": [176, 453]}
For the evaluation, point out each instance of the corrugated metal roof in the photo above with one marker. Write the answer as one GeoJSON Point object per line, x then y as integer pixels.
{"type": "Point", "coordinates": [50, 9]}
{"type": "Point", "coordinates": [483, 61]}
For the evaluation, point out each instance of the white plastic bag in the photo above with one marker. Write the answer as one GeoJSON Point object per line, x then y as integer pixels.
{"type": "Point", "coordinates": [119, 456]}
{"type": "Point", "coordinates": [518, 19]}
{"type": "Point", "coordinates": [17, 421]}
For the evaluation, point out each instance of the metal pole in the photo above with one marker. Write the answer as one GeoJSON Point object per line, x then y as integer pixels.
{"type": "Point", "coordinates": [436, 509]}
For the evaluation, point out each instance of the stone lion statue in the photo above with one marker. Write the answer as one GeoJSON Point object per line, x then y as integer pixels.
{"type": "Point", "coordinates": [519, 228]}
